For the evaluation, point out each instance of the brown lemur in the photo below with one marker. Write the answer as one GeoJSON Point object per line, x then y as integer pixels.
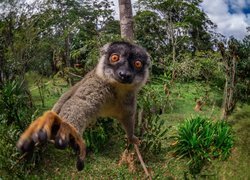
{"type": "Point", "coordinates": [109, 90]}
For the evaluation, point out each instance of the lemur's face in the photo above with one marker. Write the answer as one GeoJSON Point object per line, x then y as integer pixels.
{"type": "Point", "coordinates": [125, 63]}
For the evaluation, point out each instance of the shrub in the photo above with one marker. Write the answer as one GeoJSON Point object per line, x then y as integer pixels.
{"type": "Point", "coordinates": [202, 140]}
{"type": "Point", "coordinates": [150, 127]}
{"type": "Point", "coordinates": [203, 67]}
{"type": "Point", "coordinates": [97, 136]}
{"type": "Point", "coordinates": [15, 104]}
{"type": "Point", "coordinates": [16, 113]}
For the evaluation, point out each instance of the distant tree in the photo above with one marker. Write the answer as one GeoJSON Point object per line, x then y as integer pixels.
{"type": "Point", "coordinates": [149, 32]}
{"type": "Point", "coordinates": [229, 58]}
{"type": "Point", "coordinates": [185, 25]}
{"type": "Point", "coordinates": [243, 70]}
{"type": "Point", "coordinates": [17, 37]}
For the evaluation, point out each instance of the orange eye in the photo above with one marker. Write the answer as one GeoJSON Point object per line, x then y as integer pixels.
{"type": "Point", "coordinates": [138, 64]}
{"type": "Point", "coordinates": [114, 58]}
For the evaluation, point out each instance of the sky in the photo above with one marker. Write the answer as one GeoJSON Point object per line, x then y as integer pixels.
{"type": "Point", "coordinates": [231, 16]}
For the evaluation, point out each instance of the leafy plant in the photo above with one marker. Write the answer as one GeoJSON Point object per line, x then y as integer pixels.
{"type": "Point", "coordinates": [201, 141]}
{"type": "Point", "coordinates": [17, 111]}
{"type": "Point", "coordinates": [15, 103]}
{"type": "Point", "coordinates": [98, 135]}
{"type": "Point", "coordinates": [150, 127]}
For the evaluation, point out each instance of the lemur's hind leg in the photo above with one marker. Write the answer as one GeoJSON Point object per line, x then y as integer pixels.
{"type": "Point", "coordinates": [51, 127]}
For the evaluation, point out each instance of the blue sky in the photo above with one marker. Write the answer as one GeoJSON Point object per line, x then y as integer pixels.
{"type": "Point", "coordinates": [231, 16]}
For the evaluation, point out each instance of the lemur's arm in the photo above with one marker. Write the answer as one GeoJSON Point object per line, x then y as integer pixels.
{"type": "Point", "coordinates": [65, 124]}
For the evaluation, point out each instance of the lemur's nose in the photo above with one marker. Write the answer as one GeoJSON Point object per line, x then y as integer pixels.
{"type": "Point", "coordinates": [125, 76]}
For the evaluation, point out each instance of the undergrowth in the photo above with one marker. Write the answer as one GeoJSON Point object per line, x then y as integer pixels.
{"type": "Point", "coordinates": [202, 141]}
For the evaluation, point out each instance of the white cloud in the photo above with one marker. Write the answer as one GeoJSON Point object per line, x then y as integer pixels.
{"type": "Point", "coordinates": [232, 23]}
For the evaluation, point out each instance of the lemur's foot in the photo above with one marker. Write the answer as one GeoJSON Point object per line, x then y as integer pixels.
{"type": "Point", "coordinates": [134, 140]}
{"type": "Point", "coordinates": [51, 127]}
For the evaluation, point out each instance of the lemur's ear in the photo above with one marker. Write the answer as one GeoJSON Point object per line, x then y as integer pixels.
{"type": "Point", "coordinates": [104, 49]}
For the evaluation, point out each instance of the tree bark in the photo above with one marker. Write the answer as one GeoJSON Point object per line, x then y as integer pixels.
{"type": "Point", "coordinates": [229, 100]}
{"type": "Point", "coordinates": [126, 20]}
{"type": "Point", "coordinates": [67, 51]}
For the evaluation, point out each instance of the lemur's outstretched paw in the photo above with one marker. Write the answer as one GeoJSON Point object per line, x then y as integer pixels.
{"type": "Point", "coordinates": [51, 127]}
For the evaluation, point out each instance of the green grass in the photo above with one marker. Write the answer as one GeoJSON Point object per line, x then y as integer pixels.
{"type": "Point", "coordinates": [58, 164]}
{"type": "Point", "coordinates": [52, 88]}
{"type": "Point", "coordinates": [238, 164]}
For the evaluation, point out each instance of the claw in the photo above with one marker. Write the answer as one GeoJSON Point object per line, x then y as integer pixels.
{"type": "Point", "coordinates": [26, 146]}
{"type": "Point", "coordinates": [35, 137]}
{"type": "Point", "coordinates": [74, 145]}
{"type": "Point", "coordinates": [42, 136]}
{"type": "Point", "coordinates": [61, 143]}
{"type": "Point", "coordinates": [79, 164]}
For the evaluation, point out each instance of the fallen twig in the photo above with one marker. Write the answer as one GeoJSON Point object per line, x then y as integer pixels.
{"type": "Point", "coordinates": [19, 160]}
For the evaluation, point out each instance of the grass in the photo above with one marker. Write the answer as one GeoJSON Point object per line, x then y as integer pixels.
{"type": "Point", "coordinates": [52, 88]}
{"type": "Point", "coordinates": [58, 164]}
{"type": "Point", "coordinates": [238, 164]}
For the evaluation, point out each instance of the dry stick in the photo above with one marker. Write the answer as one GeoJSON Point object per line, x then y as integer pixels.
{"type": "Point", "coordinates": [22, 157]}
{"type": "Point", "coordinates": [19, 160]}
{"type": "Point", "coordinates": [142, 162]}
{"type": "Point", "coordinates": [73, 74]}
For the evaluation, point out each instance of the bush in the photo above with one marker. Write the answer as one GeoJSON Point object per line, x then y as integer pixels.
{"type": "Point", "coordinates": [98, 136]}
{"type": "Point", "coordinates": [16, 104]}
{"type": "Point", "coordinates": [203, 67]}
{"type": "Point", "coordinates": [150, 127]}
{"type": "Point", "coordinates": [16, 113]}
{"type": "Point", "coordinates": [202, 141]}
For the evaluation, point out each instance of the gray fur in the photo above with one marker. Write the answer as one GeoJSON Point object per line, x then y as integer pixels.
{"type": "Point", "coordinates": [100, 94]}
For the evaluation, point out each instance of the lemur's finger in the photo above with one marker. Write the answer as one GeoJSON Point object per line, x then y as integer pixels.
{"type": "Point", "coordinates": [52, 124]}
{"type": "Point", "coordinates": [62, 136]}
{"type": "Point", "coordinates": [77, 144]}
{"type": "Point", "coordinates": [28, 139]}
{"type": "Point", "coordinates": [79, 147]}
{"type": "Point", "coordinates": [81, 156]}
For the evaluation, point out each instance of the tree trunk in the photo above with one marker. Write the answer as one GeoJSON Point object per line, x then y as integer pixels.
{"type": "Point", "coordinates": [229, 101]}
{"type": "Point", "coordinates": [173, 61]}
{"type": "Point", "coordinates": [126, 20]}
{"type": "Point", "coordinates": [67, 53]}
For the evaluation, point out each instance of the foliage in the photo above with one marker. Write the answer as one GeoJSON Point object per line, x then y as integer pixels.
{"type": "Point", "coordinates": [42, 36]}
{"type": "Point", "coordinates": [168, 28]}
{"type": "Point", "coordinates": [242, 113]}
{"type": "Point", "coordinates": [243, 70]}
{"type": "Point", "coordinates": [17, 112]}
{"type": "Point", "coordinates": [97, 137]}
{"type": "Point", "coordinates": [202, 141]}
{"type": "Point", "coordinates": [13, 164]}
{"type": "Point", "coordinates": [150, 127]}
{"type": "Point", "coordinates": [16, 104]}
{"type": "Point", "coordinates": [203, 67]}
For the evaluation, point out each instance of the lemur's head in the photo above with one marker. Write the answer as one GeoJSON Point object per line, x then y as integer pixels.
{"type": "Point", "coordinates": [124, 63]}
